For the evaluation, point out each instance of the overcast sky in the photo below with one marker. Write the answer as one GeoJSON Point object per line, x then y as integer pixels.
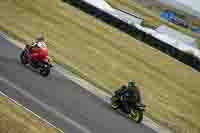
{"type": "Point", "coordinates": [195, 4]}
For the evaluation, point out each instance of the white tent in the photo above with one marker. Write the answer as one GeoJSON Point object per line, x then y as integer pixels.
{"type": "Point", "coordinates": [120, 14]}
{"type": "Point", "coordinates": [177, 35]}
{"type": "Point", "coordinates": [101, 4]}
{"type": "Point", "coordinates": [127, 17]}
{"type": "Point", "coordinates": [171, 40]}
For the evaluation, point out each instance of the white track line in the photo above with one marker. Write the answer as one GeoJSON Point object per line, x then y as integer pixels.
{"type": "Point", "coordinates": [45, 106]}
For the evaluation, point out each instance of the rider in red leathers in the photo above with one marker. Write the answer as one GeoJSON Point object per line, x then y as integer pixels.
{"type": "Point", "coordinates": [39, 50]}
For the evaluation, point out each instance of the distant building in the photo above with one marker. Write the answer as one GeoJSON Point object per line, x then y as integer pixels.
{"type": "Point", "coordinates": [168, 15]}
{"type": "Point", "coordinates": [197, 30]}
{"type": "Point", "coordinates": [172, 17]}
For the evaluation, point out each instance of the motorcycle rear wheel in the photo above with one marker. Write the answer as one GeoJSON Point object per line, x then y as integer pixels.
{"type": "Point", "coordinates": [114, 102]}
{"type": "Point", "coordinates": [45, 72]}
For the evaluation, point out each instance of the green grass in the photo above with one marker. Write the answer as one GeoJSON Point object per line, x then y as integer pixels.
{"type": "Point", "coordinates": [152, 18]}
{"type": "Point", "coordinates": [15, 120]}
{"type": "Point", "coordinates": [109, 58]}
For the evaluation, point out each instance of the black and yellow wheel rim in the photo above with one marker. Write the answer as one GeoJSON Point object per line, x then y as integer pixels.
{"type": "Point", "coordinates": [135, 115]}
{"type": "Point", "coordinates": [115, 105]}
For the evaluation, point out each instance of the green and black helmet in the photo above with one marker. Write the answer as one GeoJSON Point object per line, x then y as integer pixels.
{"type": "Point", "coordinates": [131, 83]}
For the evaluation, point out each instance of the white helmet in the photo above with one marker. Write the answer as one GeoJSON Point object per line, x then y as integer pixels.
{"type": "Point", "coordinates": [41, 45]}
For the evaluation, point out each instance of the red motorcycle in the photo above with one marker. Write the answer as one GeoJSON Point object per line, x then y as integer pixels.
{"type": "Point", "coordinates": [43, 65]}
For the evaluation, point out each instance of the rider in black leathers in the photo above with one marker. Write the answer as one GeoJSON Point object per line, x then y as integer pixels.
{"type": "Point", "coordinates": [129, 94]}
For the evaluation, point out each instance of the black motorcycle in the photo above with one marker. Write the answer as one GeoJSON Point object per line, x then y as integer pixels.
{"type": "Point", "coordinates": [44, 67]}
{"type": "Point", "coordinates": [136, 109]}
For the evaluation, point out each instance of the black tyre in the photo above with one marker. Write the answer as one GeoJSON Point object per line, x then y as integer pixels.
{"type": "Point", "coordinates": [45, 72]}
{"type": "Point", "coordinates": [136, 115]}
{"type": "Point", "coordinates": [23, 58]}
{"type": "Point", "coordinates": [115, 102]}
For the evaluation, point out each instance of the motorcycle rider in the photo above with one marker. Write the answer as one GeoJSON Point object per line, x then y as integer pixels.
{"type": "Point", "coordinates": [38, 49]}
{"type": "Point", "coordinates": [129, 94]}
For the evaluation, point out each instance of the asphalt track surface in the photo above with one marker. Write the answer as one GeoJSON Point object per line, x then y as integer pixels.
{"type": "Point", "coordinates": [58, 100]}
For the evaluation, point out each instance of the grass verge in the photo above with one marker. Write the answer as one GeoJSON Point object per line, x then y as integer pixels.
{"type": "Point", "coordinates": [15, 120]}
{"type": "Point", "coordinates": [109, 58]}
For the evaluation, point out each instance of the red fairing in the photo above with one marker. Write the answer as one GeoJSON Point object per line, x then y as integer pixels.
{"type": "Point", "coordinates": [40, 54]}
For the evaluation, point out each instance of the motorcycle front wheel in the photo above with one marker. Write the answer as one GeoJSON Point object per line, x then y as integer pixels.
{"type": "Point", "coordinates": [136, 115]}
{"type": "Point", "coordinates": [23, 58]}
